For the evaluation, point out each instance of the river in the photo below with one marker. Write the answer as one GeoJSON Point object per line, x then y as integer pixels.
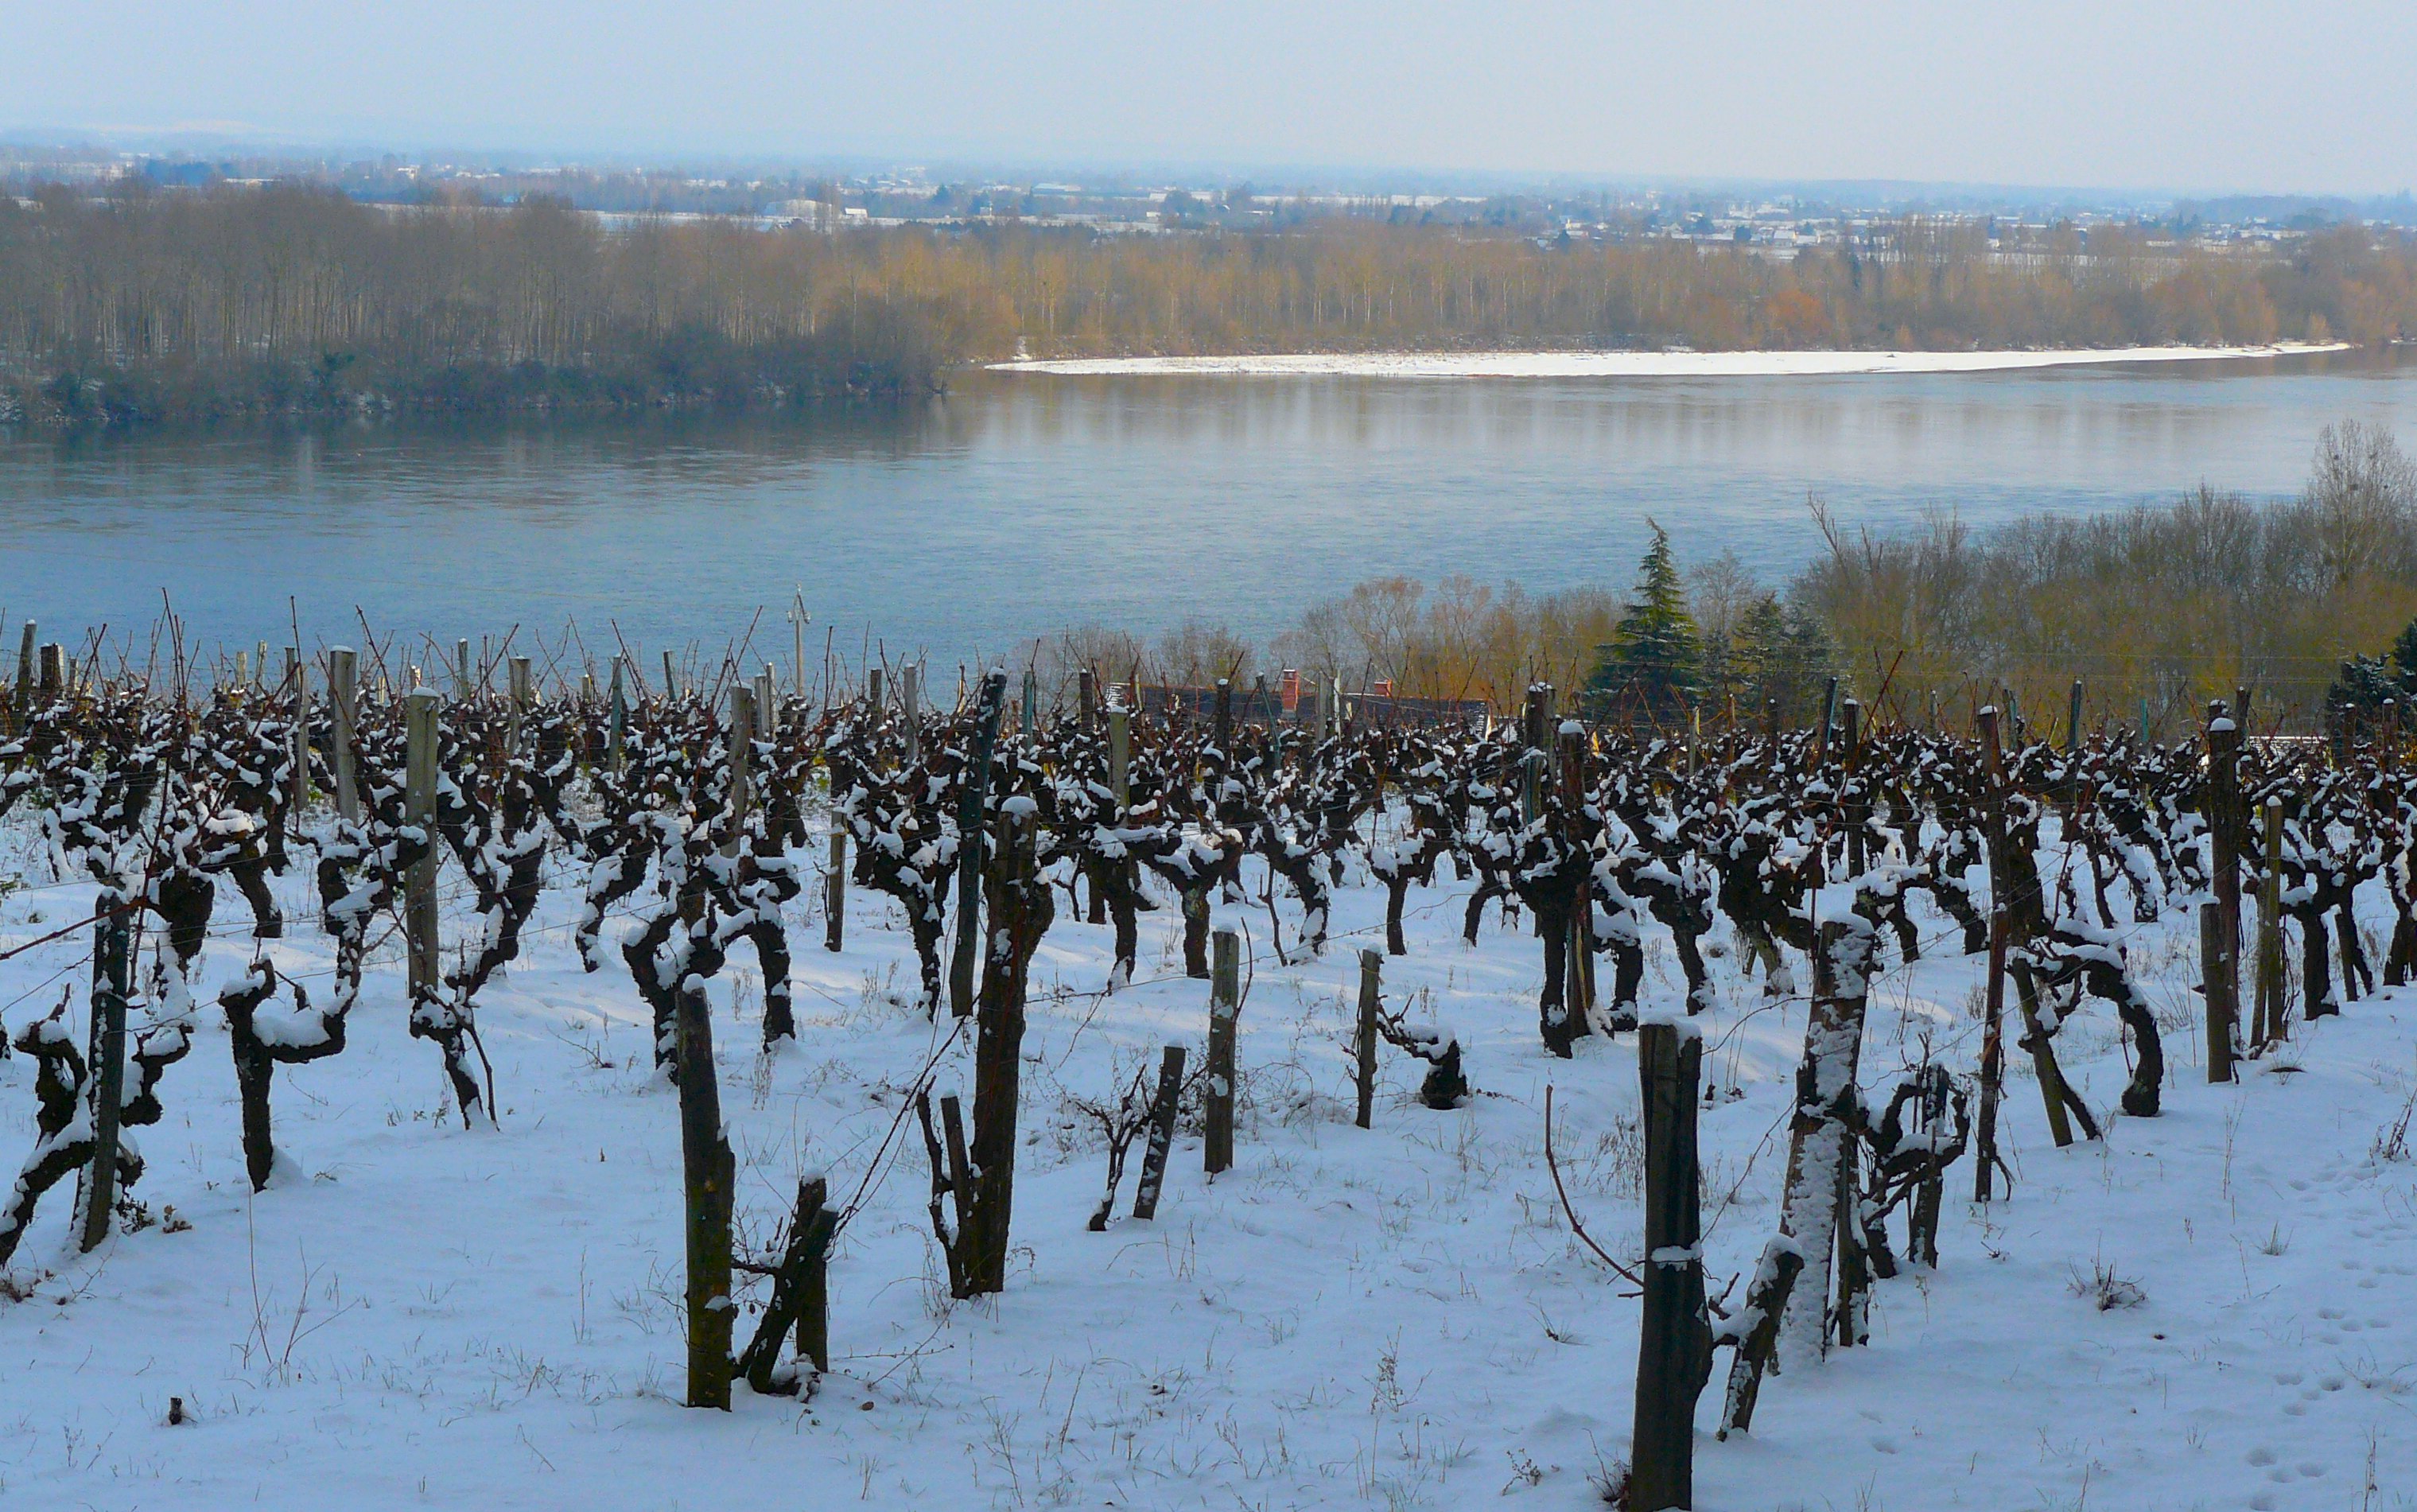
{"type": "Point", "coordinates": [1023, 503]}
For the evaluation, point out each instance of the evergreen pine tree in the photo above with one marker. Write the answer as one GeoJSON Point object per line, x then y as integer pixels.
{"type": "Point", "coordinates": [1654, 652]}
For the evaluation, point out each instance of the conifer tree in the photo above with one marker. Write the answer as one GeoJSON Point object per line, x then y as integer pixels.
{"type": "Point", "coordinates": [1655, 652]}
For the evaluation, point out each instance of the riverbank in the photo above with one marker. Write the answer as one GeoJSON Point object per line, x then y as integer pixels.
{"type": "Point", "coordinates": [1642, 364]}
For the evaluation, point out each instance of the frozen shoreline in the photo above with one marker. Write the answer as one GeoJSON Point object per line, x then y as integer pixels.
{"type": "Point", "coordinates": [1639, 364]}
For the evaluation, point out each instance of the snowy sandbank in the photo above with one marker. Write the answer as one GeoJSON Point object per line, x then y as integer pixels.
{"type": "Point", "coordinates": [1641, 364]}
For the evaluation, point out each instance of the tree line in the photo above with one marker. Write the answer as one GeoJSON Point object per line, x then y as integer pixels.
{"type": "Point", "coordinates": [290, 298]}
{"type": "Point", "coordinates": [2307, 602]}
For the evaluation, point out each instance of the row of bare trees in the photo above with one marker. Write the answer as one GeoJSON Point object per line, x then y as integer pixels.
{"type": "Point", "coordinates": [294, 298]}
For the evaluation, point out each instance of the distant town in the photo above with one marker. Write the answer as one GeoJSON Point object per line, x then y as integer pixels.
{"type": "Point", "coordinates": [1774, 219]}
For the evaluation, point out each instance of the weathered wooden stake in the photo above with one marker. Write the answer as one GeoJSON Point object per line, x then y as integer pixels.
{"type": "Point", "coordinates": [1224, 1007]}
{"type": "Point", "coordinates": [2222, 979]}
{"type": "Point", "coordinates": [24, 700]}
{"type": "Point", "coordinates": [1120, 757]}
{"type": "Point", "coordinates": [523, 694]}
{"type": "Point", "coordinates": [1161, 1133]}
{"type": "Point", "coordinates": [835, 890]}
{"type": "Point", "coordinates": [297, 677]}
{"type": "Point", "coordinates": [1674, 1341]}
{"type": "Point", "coordinates": [111, 981]}
{"type": "Point", "coordinates": [420, 808]}
{"type": "Point", "coordinates": [2215, 968]}
{"type": "Point", "coordinates": [344, 698]}
{"type": "Point", "coordinates": [1372, 964]}
{"type": "Point", "coordinates": [911, 703]}
{"type": "Point", "coordinates": [1993, 1063]}
{"type": "Point", "coordinates": [707, 1174]}
{"type": "Point", "coordinates": [742, 749]}
{"type": "Point", "coordinates": [2271, 1029]}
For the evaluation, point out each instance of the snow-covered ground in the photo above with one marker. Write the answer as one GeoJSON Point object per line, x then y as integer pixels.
{"type": "Point", "coordinates": [415, 1315]}
{"type": "Point", "coordinates": [1638, 364]}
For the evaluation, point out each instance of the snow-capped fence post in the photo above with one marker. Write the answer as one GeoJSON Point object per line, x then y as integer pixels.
{"type": "Point", "coordinates": [1993, 1061]}
{"type": "Point", "coordinates": [2220, 974]}
{"type": "Point", "coordinates": [1674, 1339]}
{"type": "Point", "coordinates": [1224, 1007]}
{"type": "Point", "coordinates": [707, 1171]}
{"type": "Point", "coordinates": [111, 981]}
{"type": "Point", "coordinates": [344, 698]}
{"type": "Point", "coordinates": [1372, 963]}
{"type": "Point", "coordinates": [2267, 1017]}
{"type": "Point", "coordinates": [1224, 723]}
{"type": "Point", "coordinates": [1161, 1133]}
{"type": "Point", "coordinates": [973, 797]}
{"type": "Point", "coordinates": [420, 808]}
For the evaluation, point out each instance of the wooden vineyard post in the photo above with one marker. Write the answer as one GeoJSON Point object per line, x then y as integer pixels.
{"type": "Point", "coordinates": [1161, 1133]}
{"type": "Point", "coordinates": [1087, 699]}
{"type": "Point", "coordinates": [25, 698]}
{"type": "Point", "coordinates": [972, 826]}
{"type": "Point", "coordinates": [1993, 1063]}
{"type": "Point", "coordinates": [2073, 720]}
{"type": "Point", "coordinates": [344, 699]}
{"type": "Point", "coordinates": [617, 718]}
{"type": "Point", "coordinates": [2220, 973]}
{"type": "Point", "coordinates": [297, 677]}
{"type": "Point", "coordinates": [2216, 966]}
{"type": "Point", "coordinates": [1674, 1338]}
{"type": "Point", "coordinates": [910, 704]}
{"type": "Point", "coordinates": [671, 676]}
{"type": "Point", "coordinates": [111, 981]}
{"type": "Point", "coordinates": [835, 889]}
{"type": "Point", "coordinates": [461, 669]}
{"type": "Point", "coordinates": [522, 696]}
{"type": "Point", "coordinates": [419, 807]}
{"type": "Point", "coordinates": [1372, 963]}
{"type": "Point", "coordinates": [1120, 756]}
{"type": "Point", "coordinates": [706, 1173]}
{"type": "Point", "coordinates": [1031, 722]}
{"type": "Point", "coordinates": [873, 690]}
{"type": "Point", "coordinates": [1578, 997]}
{"type": "Point", "coordinates": [1224, 1007]}
{"type": "Point", "coordinates": [2271, 1028]}
{"type": "Point", "coordinates": [54, 682]}
{"type": "Point", "coordinates": [742, 746]}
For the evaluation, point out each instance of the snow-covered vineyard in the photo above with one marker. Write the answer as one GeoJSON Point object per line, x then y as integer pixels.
{"type": "Point", "coordinates": [490, 1071]}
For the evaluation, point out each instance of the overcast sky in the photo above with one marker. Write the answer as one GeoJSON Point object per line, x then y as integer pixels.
{"type": "Point", "coordinates": [2321, 94]}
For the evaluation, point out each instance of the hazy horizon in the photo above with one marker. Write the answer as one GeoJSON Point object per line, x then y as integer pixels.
{"type": "Point", "coordinates": [2235, 99]}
